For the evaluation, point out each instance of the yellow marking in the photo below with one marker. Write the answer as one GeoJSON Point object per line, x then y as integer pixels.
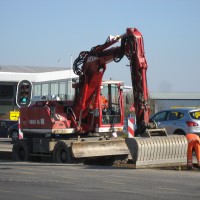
{"type": "Point", "coordinates": [42, 197]}
{"type": "Point", "coordinates": [162, 188]}
{"type": "Point", "coordinates": [118, 183]}
{"type": "Point", "coordinates": [5, 191]}
{"type": "Point", "coordinates": [27, 173]}
{"type": "Point", "coordinates": [67, 177]}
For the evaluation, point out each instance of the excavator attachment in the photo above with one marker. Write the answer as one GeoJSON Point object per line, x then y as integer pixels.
{"type": "Point", "coordinates": [96, 148]}
{"type": "Point", "coordinates": [158, 150]}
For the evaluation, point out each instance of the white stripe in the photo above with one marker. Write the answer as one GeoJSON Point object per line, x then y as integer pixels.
{"type": "Point", "coordinates": [130, 125]}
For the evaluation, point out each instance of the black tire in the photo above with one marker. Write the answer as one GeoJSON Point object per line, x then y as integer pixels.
{"type": "Point", "coordinates": [62, 152]}
{"type": "Point", "coordinates": [21, 150]}
{"type": "Point", "coordinates": [179, 132]}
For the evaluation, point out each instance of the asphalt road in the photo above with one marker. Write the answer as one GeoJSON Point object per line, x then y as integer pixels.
{"type": "Point", "coordinates": [32, 180]}
{"type": "Point", "coordinates": [82, 182]}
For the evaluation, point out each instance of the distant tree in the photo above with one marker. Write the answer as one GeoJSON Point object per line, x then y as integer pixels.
{"type": "Point", "coordinates": [129, 101]}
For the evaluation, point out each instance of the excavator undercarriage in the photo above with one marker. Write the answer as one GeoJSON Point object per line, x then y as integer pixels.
{"type": "Point", "coordinates": [139, 152]}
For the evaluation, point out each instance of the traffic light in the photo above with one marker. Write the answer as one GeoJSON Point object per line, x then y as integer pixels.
{"type": "Point", "coordinates": [24, 93]}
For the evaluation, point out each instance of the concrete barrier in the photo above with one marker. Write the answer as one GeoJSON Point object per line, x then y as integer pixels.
{"type": "Point", "coordinates": [5, 149]}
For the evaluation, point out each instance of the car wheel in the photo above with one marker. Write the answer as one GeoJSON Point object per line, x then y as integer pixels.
{"type": "Point", "coordinates": [15, 135]}
{"type": "Point", "coordinates": [179, 132]}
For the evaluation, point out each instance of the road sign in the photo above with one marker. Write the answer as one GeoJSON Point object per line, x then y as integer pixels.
{"type": "Point", "coordinates": [14, 115]}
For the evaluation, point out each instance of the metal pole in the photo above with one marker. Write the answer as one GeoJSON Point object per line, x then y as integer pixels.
{"type": "Point", "coordinates": [71, 77]}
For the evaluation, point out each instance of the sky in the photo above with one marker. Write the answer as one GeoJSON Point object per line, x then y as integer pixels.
{"type": "Point", "coordinates": [53, 33]}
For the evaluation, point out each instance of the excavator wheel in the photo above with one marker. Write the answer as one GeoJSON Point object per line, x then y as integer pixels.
{"type": "Point", "coordinates": [62, 152]}
{"type": "Point", "coordinates": [21, 150]}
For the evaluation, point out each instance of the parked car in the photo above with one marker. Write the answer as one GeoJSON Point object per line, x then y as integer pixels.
{"type": "Point", "coordinates": [13, 132]}
{"type": "Point", "coordinates": [178, 121]}
{"type": "Point", "coordinates": [4, 126]}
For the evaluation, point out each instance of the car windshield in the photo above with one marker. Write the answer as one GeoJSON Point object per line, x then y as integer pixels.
{"type": "Point", "coordinates": [195, 114]}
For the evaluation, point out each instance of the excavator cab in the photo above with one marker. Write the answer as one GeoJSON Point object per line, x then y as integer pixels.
{"type": "Point", "coordinates": [110, 105]}
{"type": "Point", "coordinates": [111, 113]}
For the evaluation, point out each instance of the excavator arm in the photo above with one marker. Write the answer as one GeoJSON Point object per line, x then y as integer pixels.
{"type": "Point", "coordinates": [91, 65]}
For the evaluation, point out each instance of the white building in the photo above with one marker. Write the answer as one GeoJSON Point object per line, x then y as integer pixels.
{"type": "Point", "coordinates": [166, 100]}
{"type": "Point", "coordinates": [46, 81]}
{"type": "Point", "coordinates": [58, 81]}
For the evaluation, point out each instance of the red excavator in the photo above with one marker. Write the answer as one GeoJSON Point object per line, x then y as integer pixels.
{"type": "Point", "coordinates": [86, 127]}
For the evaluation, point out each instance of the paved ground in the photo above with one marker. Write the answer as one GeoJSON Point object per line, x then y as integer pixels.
{"type": "Point", "coordinates": [32, 181]}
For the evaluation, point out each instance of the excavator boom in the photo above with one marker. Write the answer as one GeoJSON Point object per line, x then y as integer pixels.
{"type": "Point", "coordinates": [91, 65]}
